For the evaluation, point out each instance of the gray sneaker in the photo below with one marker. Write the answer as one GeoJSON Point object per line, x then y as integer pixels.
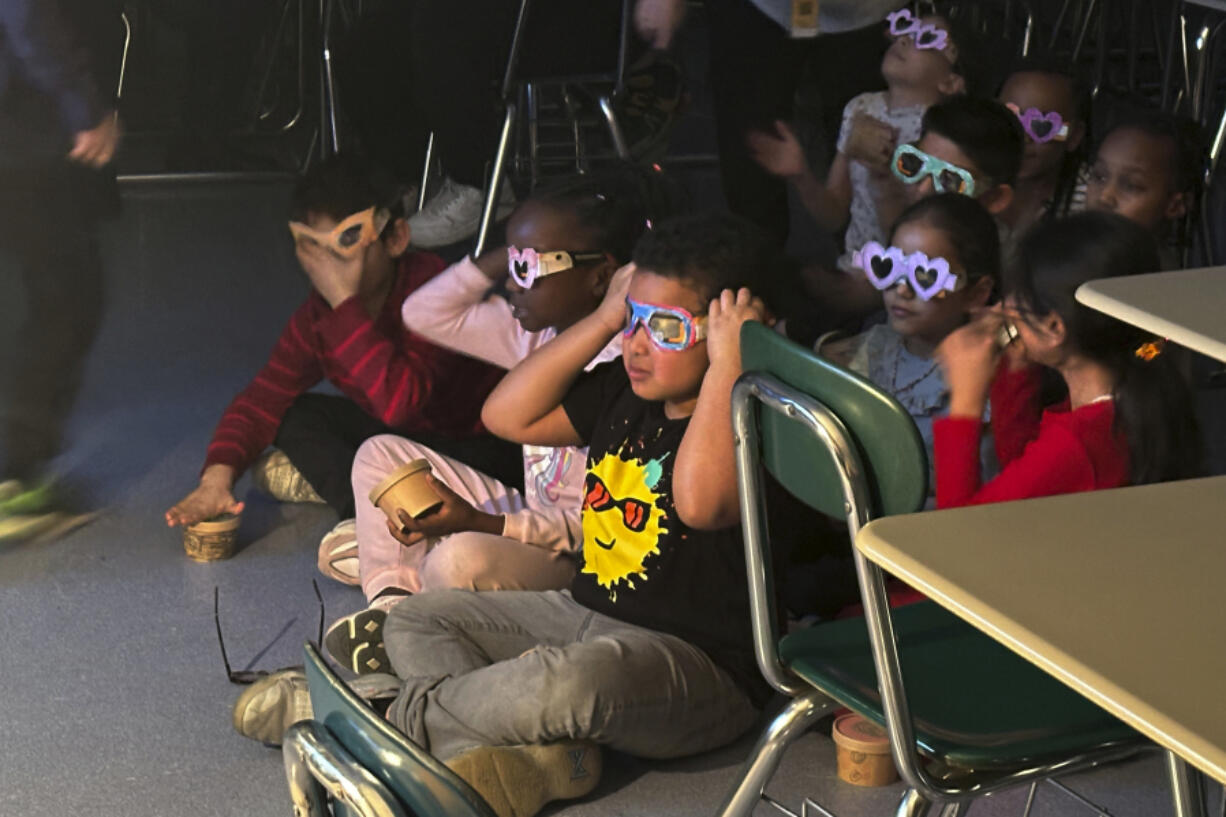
{"type": "Point", "coordinates": [275, 475]}
{"type": "Point", "coordinates": [356, 642]}
{"type": "Point", "coordinates": [269, 707]}
{"type": "Point", "coordinates": [454, 214]}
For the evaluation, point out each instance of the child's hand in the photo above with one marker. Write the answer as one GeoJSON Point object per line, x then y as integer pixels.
{"type": "Point", "coordinates": [455, 516]}
{"type": "Point", "coordinates": [779, 153]}
{"type": "Point", "coordinates": [658, 20]}
{"type": "Point", "coordinates": [493, 264]}
{"type": "Point", "coordinates": [968, 357]}
{"type": "Point", "coordinates": [612, 309]}
{"type": "Point", "coordinates": [96, 147]}
{"type": "Point", "coordinates": [335, 278]}
{"type": "Point", "coordinates": [211, 497]}
{"type": "Point", "coordinates": [724, 319]}
{"type": "Point", "coordinates": [871, 142]}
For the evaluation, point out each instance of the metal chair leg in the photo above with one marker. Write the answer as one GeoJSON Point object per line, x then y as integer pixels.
{"type": "Point", "coordinates": [496, 179]}
{"type": "Point", "coordinates": [615, 131]}
{"type": "Point", "coordinates": [425, 172]}
{"type": "Point", "coordinates": [1187, 787]}
{"type": "Point", "coordinates": [913, 805]}
{"type": "Point", "coordinates": [788, 725]}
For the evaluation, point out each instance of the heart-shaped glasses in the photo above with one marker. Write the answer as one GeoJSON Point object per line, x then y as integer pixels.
{"type": "Point", "coordinates": [527, 265]}
{"type": "Point", "coordinates": [1041, 127]}
{"type": "Point", "coordinates": [924, 35]}
{"type": "Point", "coordinates": [886, 267]}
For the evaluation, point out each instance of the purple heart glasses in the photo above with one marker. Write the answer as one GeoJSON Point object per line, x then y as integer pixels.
{"type": "Point", "coordinates": [886, 267]}
{"type": "Point", "coordinates": [924, 35]}
{"type": "Point", "coordinates": [1041, 127]}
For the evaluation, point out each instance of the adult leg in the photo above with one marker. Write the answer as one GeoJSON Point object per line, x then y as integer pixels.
{"type": "Point", "coordinates": [467, 560]}
{"type": "Point", "coordinates": [754, 68]}
{"type": "Point", "coordinates": [500, 669]}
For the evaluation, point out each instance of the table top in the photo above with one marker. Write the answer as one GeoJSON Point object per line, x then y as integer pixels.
{"type": "Point", "coordinates": [1187, 306]}
{"type": "Point", "coordinates": [1119, 594]}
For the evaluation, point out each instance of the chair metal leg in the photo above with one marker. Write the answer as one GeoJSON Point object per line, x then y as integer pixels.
{"type": "Point", "coordinates": [330, 143]}
{"type": "Point", "coordinates": [495, 185]}
{"type": "Point", "coordinates": [913, 804]}
{"type": "Point", "coordinates": [1187, 787]}
{"type": "Point", "coordinates": [425, 172]}
{"type": "Point", "coordinates": [788, 725]}
{"type": "Point", "coordinates": [615, 130]}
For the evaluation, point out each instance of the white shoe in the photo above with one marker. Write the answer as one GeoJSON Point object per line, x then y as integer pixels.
{"type": "Point", "coordinates": [454, 214]}
{"type": "Point", "coordinates": [338, 552]}
{"type": "Point", "coordinates": [270, 706]}
{"type": "Point", "coordinates": [276, 476]}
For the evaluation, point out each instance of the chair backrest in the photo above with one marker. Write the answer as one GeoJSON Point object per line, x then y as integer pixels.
{"type": "Point", "coordinates": [890, 447]}
{"type": "Point", "coordinates": [419, 781]}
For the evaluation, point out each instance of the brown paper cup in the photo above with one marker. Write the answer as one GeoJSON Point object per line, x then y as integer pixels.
{"type": "Point", "coordinates": [863, 752]}
{"type": "Point", "coordinates": [212, 539]}
{"type": "Point", "coordinates": [406, 488]}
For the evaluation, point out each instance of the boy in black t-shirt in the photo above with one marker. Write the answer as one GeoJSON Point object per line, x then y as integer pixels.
{"type": "Point", "coordinates": [651, 651]}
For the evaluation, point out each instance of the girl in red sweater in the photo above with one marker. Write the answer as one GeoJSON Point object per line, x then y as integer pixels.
{"type": "Point", "coordinates": [1127, 418]}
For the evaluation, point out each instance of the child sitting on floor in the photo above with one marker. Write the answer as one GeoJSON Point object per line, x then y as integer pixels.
{"type": "Point", "coordinates": [1053, 105]}
{"type": "Point", "coordinates": [940, 267]}
{"type": "Point", "coordinates": [650, 652]}
{"type": "Point", "coordinates": [923, 65]}
{"type": "Point", "coordinates": [1148, 169]}
{"type": "Point", "coordinates": [566, 243]}
{"type": "Point", "coordinates": [1128, 417]}
{"type": "Point", "coordinates": [351, 241]}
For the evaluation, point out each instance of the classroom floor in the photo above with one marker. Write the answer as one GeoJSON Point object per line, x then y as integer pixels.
{"type": "Point", "coordinates": [115, 699]}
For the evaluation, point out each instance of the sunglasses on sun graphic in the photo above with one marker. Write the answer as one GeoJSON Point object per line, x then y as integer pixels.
{"type": "Point", "coordinates": [353, 234]}
{"type": "Point", "coordinates": [924, 35]}
{"type": "Point", "coordinates": [597, 497]}
{"type": "Point", "coordinates": [1041, 127]}
{"type": "Point", "coordinates": [527, 265]}
{"type": "Point", "coordinates": [669, 327]}
{"type": "Point", "coordinates": [887, 267]}
{"type": "Point", "coordinates": [911, 165]}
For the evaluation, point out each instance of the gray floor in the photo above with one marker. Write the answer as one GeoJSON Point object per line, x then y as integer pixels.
{"type": "Point", "coordinates": [115, 697]}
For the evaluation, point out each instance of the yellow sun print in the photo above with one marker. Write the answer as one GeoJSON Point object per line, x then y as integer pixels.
{"type": "Point", "coordinates": [622, 523]}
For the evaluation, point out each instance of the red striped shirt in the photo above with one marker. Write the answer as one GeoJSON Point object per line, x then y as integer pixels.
{"type": "Point", "coordinates": [394, 375]}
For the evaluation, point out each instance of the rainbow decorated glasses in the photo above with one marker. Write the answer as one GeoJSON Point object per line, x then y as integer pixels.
{"type": "Point", "coordinates": [911, 165]}
{"type": "Point", "coordinates": [887, 267]}
{"type": "Point", "coordinates": [669, 327]}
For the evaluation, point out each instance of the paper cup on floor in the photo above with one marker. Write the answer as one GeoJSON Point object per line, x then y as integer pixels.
{"type": "Point", "coordinates": [406, 488]}
{"type": "Point", "coordinates": [863, 752]}
{"type": "Point", "coordinates": [212, 539]}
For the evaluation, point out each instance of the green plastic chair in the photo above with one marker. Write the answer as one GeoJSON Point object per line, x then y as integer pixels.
{"type": "Point", "coordinates": [349, 754]}
{"type": "Point", "coordinates": [972, 717]}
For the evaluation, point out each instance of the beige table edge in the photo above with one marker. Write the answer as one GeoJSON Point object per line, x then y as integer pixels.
{"type": "Point", "coordinates": [1025, 643]}
{"type": "Point", "coordinates": [1090, 295]}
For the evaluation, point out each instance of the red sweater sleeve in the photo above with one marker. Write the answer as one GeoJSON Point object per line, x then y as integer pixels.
{"type": "Point", "coordinates": [1015, 410]}
{"type": "Point", "coordinates": [250, 423]}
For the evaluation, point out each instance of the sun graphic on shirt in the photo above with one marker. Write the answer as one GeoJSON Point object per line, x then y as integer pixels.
{"type": "Point", "coordinates": [622, 524]}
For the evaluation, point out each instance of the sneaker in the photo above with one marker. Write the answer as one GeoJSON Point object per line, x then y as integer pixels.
{"type": "Point", "coordinates": [338, 552]}
{"type": "Point", "coordinates": [517, 781]}
{"type": "Point", "coordinates": [270, 706]}
{"type": "Point", "coordinates": [276, 476]}
{"type": "Point", "coordinates": [356, 642]}
{"type": "Point", "coordinates": [454, 214]}
{"type": "Point", "coordinates": [647, 111]}
{"type": "Point", "coordinates": [38, 512]}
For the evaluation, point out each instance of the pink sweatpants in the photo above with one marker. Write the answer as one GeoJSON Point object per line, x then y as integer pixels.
{"type": "Point", "coordinates": [474, 561]}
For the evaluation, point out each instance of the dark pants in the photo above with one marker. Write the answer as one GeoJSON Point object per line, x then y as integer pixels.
{"type": "Point", "coordinates": [321, 433]}
{"type": "Point", "coordinates": [755, 68]}
{"type": "Point", "coordinates": [437, 65]}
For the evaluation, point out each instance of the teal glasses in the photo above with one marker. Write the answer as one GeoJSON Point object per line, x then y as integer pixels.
{"type": "Point", "coordinates": [669, 327]}
{"type": "Point", "coordinates": [911, 165]}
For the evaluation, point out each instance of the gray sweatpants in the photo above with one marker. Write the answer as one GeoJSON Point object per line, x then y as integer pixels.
{"type": "Point", "coordinates": [507, 667]}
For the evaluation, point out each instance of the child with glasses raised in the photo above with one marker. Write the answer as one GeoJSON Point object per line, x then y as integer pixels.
{"type": "Point", "coordinates": [926, 63]}
{"type": "Point", "coordinates": [566, 242]}
{"type": "Point", "coordinates": [352, 243]}
{"type": "Point", "coordinates": [650, 651]}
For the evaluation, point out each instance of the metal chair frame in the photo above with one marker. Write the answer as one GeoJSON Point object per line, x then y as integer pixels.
{"type": "Point", "coordinates": [317, 766]}
{"type": "Point", "coordinates": [809, 704]}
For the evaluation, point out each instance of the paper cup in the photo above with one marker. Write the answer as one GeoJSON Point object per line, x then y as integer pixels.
{"type": "Point", "coordinates": [863, 752]}
{"type": "Point", "coordinates": [406, 488]}
{"type": "Point", "coordinates": [212, 539]}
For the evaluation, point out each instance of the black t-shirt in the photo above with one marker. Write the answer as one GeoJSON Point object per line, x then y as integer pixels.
{"type": "Point", "coordinates": [641, 564]}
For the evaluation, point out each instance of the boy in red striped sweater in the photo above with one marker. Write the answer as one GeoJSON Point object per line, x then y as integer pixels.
{"type": "Point", "coordinates": [349, 332]}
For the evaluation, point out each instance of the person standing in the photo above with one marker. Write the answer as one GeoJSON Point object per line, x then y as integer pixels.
{"type": "Point", "coordinates": [59, 130]}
